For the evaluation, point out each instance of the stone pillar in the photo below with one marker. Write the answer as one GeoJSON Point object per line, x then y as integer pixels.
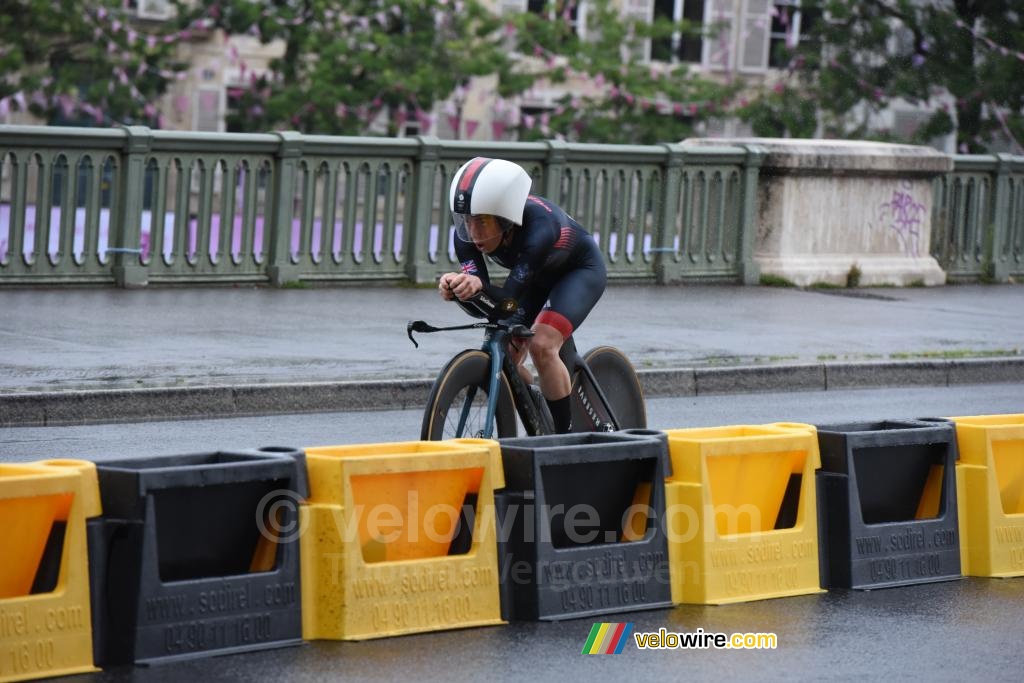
{"type": "Point", "coordinates": [127, 267]}
{"type": "Point", "coordinates": [831, 211]}
{"type": "Point", "coordinates": [418, 267]}
{"type": "Point", "coordinates": [280, 268]}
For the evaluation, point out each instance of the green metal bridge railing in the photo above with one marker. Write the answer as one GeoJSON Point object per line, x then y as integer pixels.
{"type": "Point", "coordinates": [978, 218]}
{"type": "Point", "coordinates": [132, 206]}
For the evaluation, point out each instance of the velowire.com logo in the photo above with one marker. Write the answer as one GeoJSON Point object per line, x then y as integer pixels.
{"type": "Point", "coordinates": [607, 639]}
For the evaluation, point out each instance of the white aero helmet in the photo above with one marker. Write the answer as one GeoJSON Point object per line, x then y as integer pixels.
{"type": "Point", "coordinates": [488, 186]}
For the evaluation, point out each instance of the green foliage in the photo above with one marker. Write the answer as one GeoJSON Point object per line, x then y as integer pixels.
{"type": "Point", "coordinates": [782, 111]}
{"type": "Point", "coordinates": [776, 281]}
{"type": "Point", "coordinates": [853, 276]}
{"type": "Point", "coordinates": [78, 62]}
{"type": "Point", "coordinates": [959, 60]}
{"type": "Point", "coordinates": [346, 63]}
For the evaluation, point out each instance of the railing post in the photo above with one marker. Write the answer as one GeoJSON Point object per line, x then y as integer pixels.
{"type": "Point", "coordinates": [667, 268]}
{"type": "Point", "coordinates": [997, 263]}
{"type": "Point", "coordinates": [280, 267]}
{"type": "Point", "coordinates": [418, 267]}
{"type": "Point", "coordinates": [749, 271]}
{"type": "Point", "coordinates": [126, 238]}
{"type": "Point", "coordinates": [554, 166]}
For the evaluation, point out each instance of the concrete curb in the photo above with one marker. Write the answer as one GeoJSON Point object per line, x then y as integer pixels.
{"type": "Point", "coordinates": [32, 409]}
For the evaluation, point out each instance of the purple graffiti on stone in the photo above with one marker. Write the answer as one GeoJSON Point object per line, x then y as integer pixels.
{"type": "Point", "coordinates": [904, 215]}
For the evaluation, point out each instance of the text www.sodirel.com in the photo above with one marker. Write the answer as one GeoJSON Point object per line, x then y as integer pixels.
{"type": "Point", "coordinates": [702, 640]}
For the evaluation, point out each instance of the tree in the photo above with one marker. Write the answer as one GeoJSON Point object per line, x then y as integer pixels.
{"type": "Point", "coordinates": [346, 63]}
{"type": "Point", "coordinates": [961, 59]}
{"type": "Point", "coordinates": [625, 98]}
{"type": "Point", "coordinates": [72, 61]}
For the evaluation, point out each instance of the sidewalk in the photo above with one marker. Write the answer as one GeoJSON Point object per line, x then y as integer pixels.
{"type": "Point", "coordinates": [81, 355]}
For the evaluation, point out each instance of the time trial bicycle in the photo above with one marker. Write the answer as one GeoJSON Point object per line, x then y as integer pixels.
{"type": "Point", "coordinates": [479, 393]}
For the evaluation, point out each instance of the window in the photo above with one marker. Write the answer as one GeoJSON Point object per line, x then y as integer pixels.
{"type": "Point", "coordinates": [234, 115]}
{"type": "Point", "coordinates": [208, 114]}
{"type": "Point", "coordinates": [790, 24]}
{"type": "Point", "coordinates": [409, 129]}
{"type": "Point", "coordinates": [641, 12]}
{"type": "Point", "coordinates": [754, 39]}
{"type": "Point", "coordinates": [771, 30]}
{"type": "Point", "coordinates": [511, 6]}
{"type": "Point", "coordinates": [719, 19]}
{"type": "Point", "coordinates": [150, 9]}
{"type": "Point", "coordinates": [680, 47]}
{"type": "Point", "coordinates": [572, 11]}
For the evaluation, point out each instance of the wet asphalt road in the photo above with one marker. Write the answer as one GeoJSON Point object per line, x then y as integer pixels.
{"type": "Point", "coordinates": [60, 339]}
{"type": "Point", "coordinates": [956, 630]}
{"type": "Point", "coordinates": [969, 628]}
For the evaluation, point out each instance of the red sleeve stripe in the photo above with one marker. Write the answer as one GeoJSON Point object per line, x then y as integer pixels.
{"type": "Point", "coordinates": [557, 321]}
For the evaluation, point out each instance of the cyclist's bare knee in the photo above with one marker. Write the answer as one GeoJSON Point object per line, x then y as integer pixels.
{"type": "Point", "coordinates": [545, 344]}
{"type": "Point", "coordinates": [544, 347]}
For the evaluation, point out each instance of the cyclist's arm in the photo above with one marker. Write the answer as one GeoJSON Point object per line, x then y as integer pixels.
{"type": "Point", "coordinates": [542, 250]}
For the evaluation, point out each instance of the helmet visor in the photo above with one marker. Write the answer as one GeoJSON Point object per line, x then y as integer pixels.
{"type": "Point", "coordinates": [461, 227]}
{"type": "Point", "coordinates": [478, 228]}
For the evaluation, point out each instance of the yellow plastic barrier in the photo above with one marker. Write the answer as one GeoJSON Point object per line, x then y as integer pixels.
{"type": "Point", "coordinates": [45, 615]}
{"type": "Point", "coordinates": [381, 555]}
{"type": "Point", "coordinates": [990, 492]}
{"type": "Point", "coordinates": [742, 513]}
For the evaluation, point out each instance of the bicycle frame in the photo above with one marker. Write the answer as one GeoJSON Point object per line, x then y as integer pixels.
{"type": "Point", "coordinates": [534, 422]}
{"type": "Point", "coordinates": [494, 346]}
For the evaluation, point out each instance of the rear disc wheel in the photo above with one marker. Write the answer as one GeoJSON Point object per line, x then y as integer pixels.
{"type": "Point", "coordinates": [621, 386]}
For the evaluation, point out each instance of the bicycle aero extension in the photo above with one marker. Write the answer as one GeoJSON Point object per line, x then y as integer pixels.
{"type": "Point", "coordinates": [479, 393]}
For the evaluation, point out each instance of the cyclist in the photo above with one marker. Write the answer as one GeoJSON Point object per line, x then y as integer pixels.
{"type": "Point", "coordinates": [556, 272]}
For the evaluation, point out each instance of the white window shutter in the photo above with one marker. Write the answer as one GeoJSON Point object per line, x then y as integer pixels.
{"type": "Point", "coordinates": [209, 114]}
{"type": "Point", "coordinates": [155, 9]}
{"type": "Point", "coordinates": [641, 11]}
{"type": "Point", "coordinates": [720, 19]}
{"type": "Point", "coordinates": [512, 6]}
{"type": "Point", "coordinates": [755, 39]}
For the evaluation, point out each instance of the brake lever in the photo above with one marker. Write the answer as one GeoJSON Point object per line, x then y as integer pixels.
{"type": "Point", "coordinates": [418, 326]}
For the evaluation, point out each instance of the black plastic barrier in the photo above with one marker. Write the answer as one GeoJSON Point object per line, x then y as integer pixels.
{"type": "Point", "coordinates": [580, 525]}
{"type": "Point", "coordinates": [197, 555]}
{"type": "Point", "coordinates": [887, 504]}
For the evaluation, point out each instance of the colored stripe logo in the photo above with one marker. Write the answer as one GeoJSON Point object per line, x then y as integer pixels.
{"type": "Point", "coordinates": [564, 238]}
{"type": "Point", "coordinates": [607, 639]}
{"type": "Point", "coordinates": [470, 174]}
